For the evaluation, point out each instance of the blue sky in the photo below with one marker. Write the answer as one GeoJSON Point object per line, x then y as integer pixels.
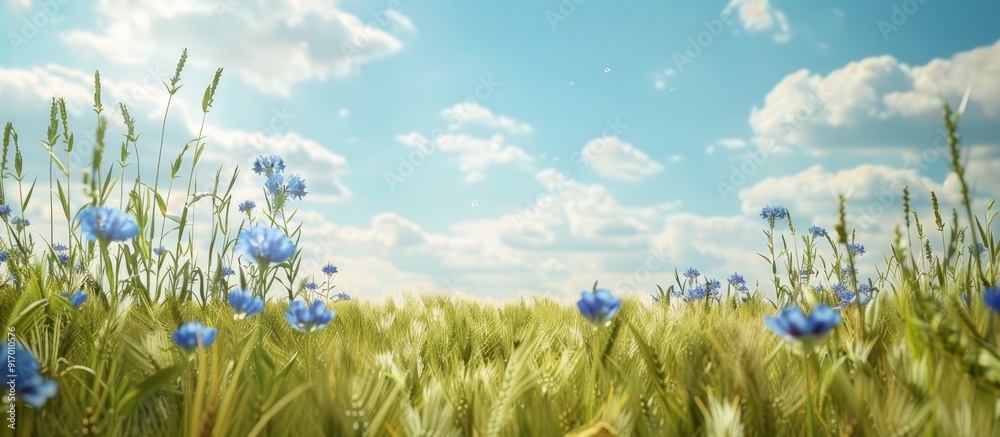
{"type": "Point", "coordinates": [574, 141]}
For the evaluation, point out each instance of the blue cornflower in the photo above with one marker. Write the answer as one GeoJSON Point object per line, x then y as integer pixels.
{"type": "Point", "coordinates": [845, 295]}
{"type": "Point", "coordinates": [772, 213]}
{"type": "Point", "coordinates": [268, 165]}
{"type": "Point", "coordinates": [78, 298]}
{"type": "Point", "coordinates": [4, 211]}
{"type": "Point", "coordinates": [329, 269]}
{"type": "Point", "coordinates": [188, 334]}
{"type": "Point", "coordinates": [63, 258]}
{"type": "Point", "coordinates": [856, 249]}
{"type": "Point", "coordinates": [265, 245]}
{"type": "Point", "coordinates": [978, 250]}
{"type": "Point", "coordinates": [713, 287]}
{"type": "Point", "coordinates": [58, 247]}
{"type": "Point", "coordinates": [159, 250]}
{"type": "Point", "coordinates": [226, 271]}
{"type": "Point", "coordinates": [862, 297]}
{"type": "Point", "coordinates": [4, 256]}
{"type": "Point", "coordinates": [104, 224]}
{"type": "Point", "coordinates": [847, 270]}
{"type": "Point", "coordinates": [245, 303]}
{"type": "Point", "coordinates": [599, 305]}
{"type": "Point", "coordinates": [737, 280]}
{"type": "Point", "coordinates": [311, 286]}
{"type": "Point", "coordinates": [691, 273]}
{"type": "Point", "coordinates": [29, 385]}
{"type": "Point", "coordinates": [20, 223]}
{"type": "Point", "coordinates": [308, 319]}
{"type": "Point", "coordinates": [817, 231]}
{"type": "Point", "coordinates": [296, 186]}
{"type": "Point", "coordinates": [794, 325]}
{"type": "Point", "coordinates": [247, 205]}
{"type": "Point", "coordinates": [275, 184]}
{"type": "Point", "coordinates": [817, 288]}
{"type": "Point", "coordinates": [991, 297]}
{"type": "Point", "coordinates": [696, 293]}
{"type": "Point", "coordinates": [342, 296]}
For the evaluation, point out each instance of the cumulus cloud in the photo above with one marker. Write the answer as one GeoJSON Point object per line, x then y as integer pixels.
{"type": "Point", "coordinates": [615, 159]}
{"type": "Point", "coordinates": [759, 16]}
{"type": "Point", "coordinates": [813, 192]}
{"type": "Point", "coordinates": [878, 103]}
{"type": "Point", "coordinates": [273, 47]}
{"type": "Point", "coordinates": [726, 143]}
{"type": "Point", "coordinates": [475, 155]}
{"type": "Point", "coordinates": [472, 113]}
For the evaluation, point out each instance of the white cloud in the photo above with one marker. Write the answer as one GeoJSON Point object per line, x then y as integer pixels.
{"type": "Point", "coordinates": [401, 23]}
{"type": "Point", "coordinates": [873, 192]}
{"type": "Point", "coordinates": [732, 143]}
{"type": "Point", "coordinates": [37, 86]}
{"type": "Point", "coordinates": [615, 159]}
{"type": "Point", "coordinates": [464, 114]}
{"type": "Point", "coordinates": [475, 155]}
{"type": "Point", "coordinates": [878, 103]}
{"type": "Point", "coordinates": [982, 168]}
{"type": "Point", "coordinates": [273, 47]}
{"type": "Point", "coordinates": [321, 168]}
{"type": "Point", "coordinates": [759, 16]}
{"type": "Point", "coordinates": [343, 113]}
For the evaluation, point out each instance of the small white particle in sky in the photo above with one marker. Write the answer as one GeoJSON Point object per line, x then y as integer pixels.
{"type": "Point", "coordinates": [607, 69]}
{"type": "Point", "coordinates": [572, 83]}
{"type": "Point", "coordinates": [475, 204]}
{"type": "Point", "coordinates": [673, 89]}
{"type": "Point", "coordinates": [556, 158]}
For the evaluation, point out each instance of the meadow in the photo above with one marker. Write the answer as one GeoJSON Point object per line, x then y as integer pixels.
{"type": "Point", "coordinates": [121, 331]}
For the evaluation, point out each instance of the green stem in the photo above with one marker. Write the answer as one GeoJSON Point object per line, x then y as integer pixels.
{"type": "Point", "coordinates": [809, 407]}
{"type": "Point", "coordinates": [109, 274]}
